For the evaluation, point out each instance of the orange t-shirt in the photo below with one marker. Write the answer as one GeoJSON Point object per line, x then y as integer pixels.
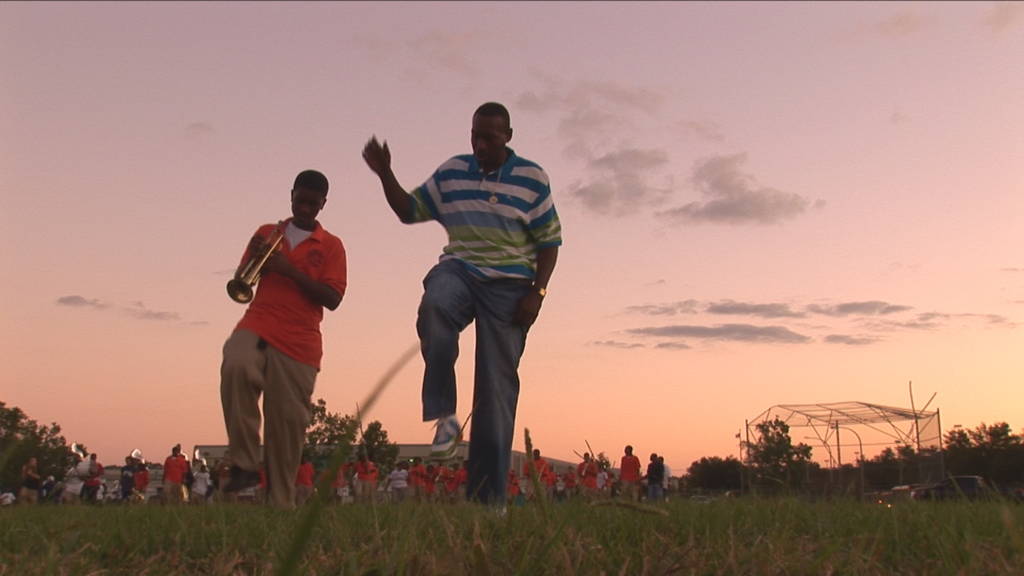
{"type": "Point", "coordinates": [629, 469]}
{"type": "Point", "coordinates": [430, 480]}
{"type": "Point", "coordinates": [513, 484]}
{"type": "Point", "coordinates": [279, 312]}
{"type": "Point", "coordinates": [344, 473]}
{"type": "Point", "coordinates": [588, 474]}
{"type": "Point", "coordinates": [418, 475]}
{"type": "Point", "coordinates": [305, 475]}
{"type": "Point", "coordinates": [175, 469]}
{"type": "Point", "coordinates": [366, 471]}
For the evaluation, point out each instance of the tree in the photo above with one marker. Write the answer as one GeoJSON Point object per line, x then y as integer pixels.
{"type": "Point", "coordinates": [22, 438]}
{"type": "Point", "coordinates": [330, 429]}
{"type": "Point", "coordinates": [776, 462]}
{"type": "Point", "coordinates": [994, 452]}
{"type": "Point", "coordinates": [378, 448]}
{"type": "Point", "coordinates": [715, 473]}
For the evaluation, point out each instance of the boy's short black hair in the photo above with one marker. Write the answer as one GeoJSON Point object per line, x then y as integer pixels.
{"type": "Point", "coordinates": [494, 109]}
{"type": "Point", "coordinates": [312, 180]}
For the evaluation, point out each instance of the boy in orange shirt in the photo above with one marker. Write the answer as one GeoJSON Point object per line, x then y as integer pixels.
{"type": "Point", "coordinates": [276, 348]}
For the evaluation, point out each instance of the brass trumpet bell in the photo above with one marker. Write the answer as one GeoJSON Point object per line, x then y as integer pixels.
{"type": "Point", "coordinates": [239, 291]}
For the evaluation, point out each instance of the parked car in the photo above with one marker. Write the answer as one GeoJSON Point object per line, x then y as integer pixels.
{"type": "Point", "coordinates": [955, 487]}
{"type": "Point", "coordinates": [896, 494]}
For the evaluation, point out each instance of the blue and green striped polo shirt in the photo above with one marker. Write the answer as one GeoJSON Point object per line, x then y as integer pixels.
{"type": "Point", "coordinates": [495, 222]}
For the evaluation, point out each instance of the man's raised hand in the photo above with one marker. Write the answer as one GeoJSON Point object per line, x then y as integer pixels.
{"type": "Point", "coordinates": [377, 156]}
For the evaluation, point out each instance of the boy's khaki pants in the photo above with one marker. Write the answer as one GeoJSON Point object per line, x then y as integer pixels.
{"type": "Point", "coordinates": [251, 369]}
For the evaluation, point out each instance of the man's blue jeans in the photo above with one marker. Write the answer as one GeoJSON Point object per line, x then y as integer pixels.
{"type": "Point", "coordinates": [655, 492]}
{"type": "Point", "coordinates": [452, 298]}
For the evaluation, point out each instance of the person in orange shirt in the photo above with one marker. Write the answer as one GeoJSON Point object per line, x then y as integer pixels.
{"type": "Point", "coordinates": [276, 348]}
{"type": "Point", "coordinates": [141, 480]}
{"type": "Point", "coordinates": [445, 476]}
{"type": "Point", "coordinates": [629, 475]}
{"type": "Point", "coordinates": [513, 488]}
{"type": "Point", "coordinates": [453, 478]}
{"type": "Point", "coordinates": [587, 471]}
{"type": "Point", "coordinates": [418, 479]}
{"type": "Point", "coordinates": [545, 475]}
{"type": "Point", "coordinates": [175, 469]}
{"type": "Point", "coordinates": [430, 483]}
{"type": "Point", "coordinates": [461, 479]}
{"type": "Point", "coordinates": [569, 479]}
{"type": "Point", "coordinates": [304, 482]}
{"type": "Point", "coordinates": [341, 482]}
{"type": "Point", "coordinates": [366, 474]}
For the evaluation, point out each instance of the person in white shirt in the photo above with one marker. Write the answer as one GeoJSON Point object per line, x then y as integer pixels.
{"type": "Point", "coordinates": [398, 481]}
{"type": "Point", "coordinates": [200, 485]}
{"type": "Point", "coordinates": [74, 482]}
{"type": "Point", "coordinates": [665, 479]}
{"type": "Point", "coordinates": [602, 481]}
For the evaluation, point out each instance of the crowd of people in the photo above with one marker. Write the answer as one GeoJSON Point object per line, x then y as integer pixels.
{"type": "Point", "coordinates": [358, 480]}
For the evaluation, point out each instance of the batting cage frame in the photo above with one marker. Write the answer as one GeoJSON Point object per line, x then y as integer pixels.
{"type": "Point", "coordinates": [919, 429]}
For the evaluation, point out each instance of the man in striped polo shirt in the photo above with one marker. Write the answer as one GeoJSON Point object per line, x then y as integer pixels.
{"type": "Point", "coordinates": [503, 239]}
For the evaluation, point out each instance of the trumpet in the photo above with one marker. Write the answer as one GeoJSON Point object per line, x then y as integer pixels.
{"type": "Point", "coordinates": [240, 287]}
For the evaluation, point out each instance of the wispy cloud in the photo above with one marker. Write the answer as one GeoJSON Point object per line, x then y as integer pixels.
{"type": "Point", "coordinates": [624, 187]}
{"type": "Point", "coordinates": [900, 24]}
{"type": "Point", "coordinates": [669, 309]}
{"type": "Point", "coordinates": [142, 312]}
{"type": "Point", "coordinates": [420, 54]}
{"type": "Point", "coordinates": [450, 50]}
{"type": "Point", "coordinates": [869, 308]}
{"type": "Point", "coordinates": [199, 130]}
{"type": "Point", "coordinates": [703, 130]}
{"type": "Point", "coordinates": [596, 121]}
{"type": "Point", "coordinates": [616, 344]}
{"type": "Point", "coordinates": [76, 301]}
{"type": "Point", "coordinates": [137, 310]}
{"type": "Point", "coordinates": [995, 319]}
{"type": "Point", "coordinates": [1004, 16]}
{"type": "Point", "coordinates": [851, 340]}
{"type": "Point", "coordinates": [855, 323]}
{"type": "Point", "coordinates": [725, 332]}
{"type": "Point", "coordinates": [732, 196]}
{"type": "Point", "coordinates": [898, 117]}
{"type": "Point", "coordinates": [673, 346]}
{"type": "Point", "coordinates": [1012, 270]}
{"type": "Point", "coordinates": [769, 310]}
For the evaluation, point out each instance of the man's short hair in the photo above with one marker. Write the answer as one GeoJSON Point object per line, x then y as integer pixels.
{"type": "Point", "coordinates": [494, 109]}
{"type": "Point", "coordinates": [312, 180]}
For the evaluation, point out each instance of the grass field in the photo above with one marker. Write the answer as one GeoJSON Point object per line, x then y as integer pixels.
{"type": "Point", "coordinates": [736, 536]}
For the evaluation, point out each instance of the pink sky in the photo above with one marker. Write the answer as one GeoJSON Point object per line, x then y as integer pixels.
{"type": "Point", "coordinates": [761, 204]}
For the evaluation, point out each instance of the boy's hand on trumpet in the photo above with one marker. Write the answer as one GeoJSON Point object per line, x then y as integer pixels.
{"type": "Point", "coordinates": [256, 244]}
{"type": "Point", "coordinates": [278, 263]}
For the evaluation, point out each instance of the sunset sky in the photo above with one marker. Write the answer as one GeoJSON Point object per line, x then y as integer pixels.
{"type": "Point", "coordinates": [762, 203]}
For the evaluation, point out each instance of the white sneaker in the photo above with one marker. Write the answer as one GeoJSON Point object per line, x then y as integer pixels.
{"type": "Point", "coordinates": [447, 435]}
